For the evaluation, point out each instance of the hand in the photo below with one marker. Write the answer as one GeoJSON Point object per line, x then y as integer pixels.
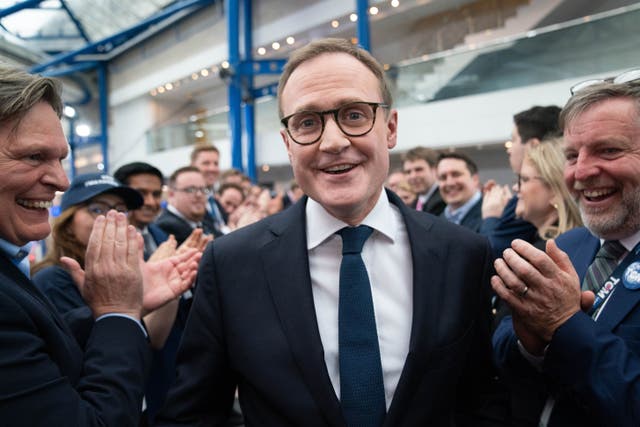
{"type": "Point", "coordinates": [494, 199]}
{"type": "Point", "coordinates": [197, 240]}
{"type": "Point", "coordinates": [552, 293]}
{"type": "Point", "coordinates": [112, 280]}
{"type": "Point", "coordinates": [165, 250]}
{"type": "Point", "coordinates": [167, 279]}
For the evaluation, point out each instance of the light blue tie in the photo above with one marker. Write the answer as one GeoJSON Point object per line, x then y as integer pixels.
{"type": "Point", "coordinates": [361, 383]}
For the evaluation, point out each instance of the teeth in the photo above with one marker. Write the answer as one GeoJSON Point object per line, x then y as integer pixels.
{"type": "Point", "coordinates": [338, 168]}
{"type": "Point", "coordinates": [596, 193]}
{"type": "Point", "coordinates": [35, 204]}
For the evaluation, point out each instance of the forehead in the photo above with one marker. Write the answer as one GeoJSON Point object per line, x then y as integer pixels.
{"type": "Point", "coordinates": [416, 163]}
{"type": "Point", "coordinates": [108, 198]}
{"type": "Point", "coordinates": [207, 156]}
{"type": "Point", "coordinates": [329, 80]}
{"type": "Point", "coordinates": [190, 178]}
{"type": "Point", "coordinates": [39, 129]}
{"type": "Point", "coordinates": [145, 180]}
{"type": "Point", "coordinates": [611, 118]}
{"type": "Point", "coordinates": [452, 164]}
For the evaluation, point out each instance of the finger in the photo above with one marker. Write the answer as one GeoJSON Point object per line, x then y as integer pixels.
{"type": "Point", "coordinates": [94, 246]}
{"type": "Point", "coordinates": [506, 271]}
{"type": "Point", "coordinates": [76, 272]}
{"type": "Point", "coordinates": [559, 257]}
{"type": "Point", "coordinates": [504, 293]}
{"type": "Point", "coordinates": [134, 245]}
{"type": "Point", "coordinates": [534, 261]}
{"type": "Point", "coordinates": [108, 236]}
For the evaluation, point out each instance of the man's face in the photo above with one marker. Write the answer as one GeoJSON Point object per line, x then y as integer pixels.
{"type": "Point", "coordinates": [457, 185]}
{"type": "Point", "coordinates": [150, 187]}
{"type": "Point", "coordinates": [191, 205]}
{"type": "Point", "coordinates": [420, 175]}
{"type": "Point", "coordinates": [602, 148]}
{"type": "Point", "coordinates": [517, 150]}
{"type": "Point", "coordinates": [30, 174]}
{"type": "Point", "coordinates": [344, 174]}
{"type": "Point", "coordinates": [394, 180]}
{"type": "Point", "coordinates": [207, 162]}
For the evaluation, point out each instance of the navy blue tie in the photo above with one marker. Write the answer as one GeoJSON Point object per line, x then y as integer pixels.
{"type": "Point", "coordinates": [361, 383]}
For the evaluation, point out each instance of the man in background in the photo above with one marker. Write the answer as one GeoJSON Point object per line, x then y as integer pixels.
{"type": "Point", "coordinates": [206, 158]}
{"type": "Point", "coordinates": [459, 186]}
{"type": "Point", "coordinates": [419, 166]}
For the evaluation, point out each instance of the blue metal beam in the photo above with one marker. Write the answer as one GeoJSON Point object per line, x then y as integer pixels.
{"type": "Point", "coordinates": [268, 90]}
{"type": "Point", "coordinates": [235, 91]}
{"type": "Point", "coordinates": [109, 43]}
{"type": "Point", "coordinates": [27, 4]}
{"type": "Point", "coordinates": [104, 114]}
{"type": "Point", "coordinates": [249, 107]}
{"type": "Point", "coordinates": [75, 21]}
{"type": "Point", "coordinates": [81, 66]}
{"type": "Point", "coordinates": [250, 66]}
{"type": "Point", "coordinates": [363, 24]}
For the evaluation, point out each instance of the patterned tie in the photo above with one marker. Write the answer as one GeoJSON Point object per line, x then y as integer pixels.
{"type": "Point", "coordinates": [361, 385]}
{"type": "Point", "coordinates": [603, 265]}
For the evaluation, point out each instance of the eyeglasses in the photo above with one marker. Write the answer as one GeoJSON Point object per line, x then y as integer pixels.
{"type": "Point", "coordinates": [353, 119]}
{"type": "Point", "coordinates": [525, 179]}
{"type": "Point", "coordinates": [96, 209]}
{"type": "Point", "coordinates": [626, 77]}
{"type": "Point", "coordinates": [194, 190]}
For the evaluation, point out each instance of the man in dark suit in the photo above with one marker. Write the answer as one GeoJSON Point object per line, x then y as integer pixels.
{"type": "Point", "coordinates": [583, 348]}
{"type": "Point", "coordinates": [47, 377]}
{"type": "Point", "coordinates": [147, 180]}
{"type": "Point", "coordinates": [186, 210]}
{"type": "Point", "coordinates": [459, 186]}
{"type": "Point", "coordinates": [419, 166]}
{"type": "Point", "coordinates": [275, 308]}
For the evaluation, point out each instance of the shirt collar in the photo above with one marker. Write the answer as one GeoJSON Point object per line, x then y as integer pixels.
{"type": "Point", "coordinates": [177, 213]}
{"type": "Point", "coordinates": [321, 224]}
{"type": "Point", "coordinates": [629, 242]}
{"type": "Point", "coordinates": [464, 209]}
{"type": "Point", "coordinates": [15, 253]}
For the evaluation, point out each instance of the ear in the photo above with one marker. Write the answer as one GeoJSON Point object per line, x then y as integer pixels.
{"type": "Point", "coordinates": [287, 142]}
{"type": "Point", "coordinates": [533, 142]}
{"type": "Point", "coordinates": [392, 129]}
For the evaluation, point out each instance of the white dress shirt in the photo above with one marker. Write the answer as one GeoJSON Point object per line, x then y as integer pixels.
{"type": "Point", "coordinates": [387, 256]}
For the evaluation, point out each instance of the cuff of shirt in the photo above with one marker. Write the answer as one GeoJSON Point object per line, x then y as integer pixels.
{"type": "Point", "coordinates": [138, 322]}
{"type": "Point", "coordinates": [535, 361]}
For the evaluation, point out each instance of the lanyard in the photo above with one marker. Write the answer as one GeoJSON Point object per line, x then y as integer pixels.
{"type": "Point", "coordinates": [628, 271]}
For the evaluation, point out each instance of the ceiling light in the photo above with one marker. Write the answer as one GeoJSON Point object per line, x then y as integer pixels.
{"type": "Point", "coordinates": [198, 133]}
{"type": "Point", "coordinates": [204, 72]}
{"type": "Point", "coordinates": [335, 23]}
{"type": "Point", "coordinates": [395, 3]}
{"type": "Point", "coordinates": [168, 86]}
{"type": "Point", "coordinates": [69, 111]}
{"type": "Point", "coordinates": [290, 40]}
{"type": "Point", "coordinates": [373, 10]}
{"type": "Point", "coordinates": [160, 89]}
{"type": "Point", "coordinates": [353, 17]}
{"type": "Point", "coordinates": [262, 51]}
{"type": "Point", "coordinates": [275, 45]}
{"type": "Point", "coordinates": [83, 130]}
{"type": "Point", "coordinates": [225, 64]}
{"type": "Point", "coordinates": [194, 76]}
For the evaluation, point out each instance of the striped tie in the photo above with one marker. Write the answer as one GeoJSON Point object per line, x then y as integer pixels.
{"type": "Point", "coordinates": [603, 265]}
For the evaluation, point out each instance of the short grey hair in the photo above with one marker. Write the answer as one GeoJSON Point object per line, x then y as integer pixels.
{"type": "Point", "coordinates": [21, 91]}
{"type": "Point", "coordinates": [591, 95]}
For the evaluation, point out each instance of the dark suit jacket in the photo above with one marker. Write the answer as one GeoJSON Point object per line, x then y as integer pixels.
{"type": "Point", "coordinates": [253, 324]}
{"type": "Point", "coordinates": [173, 224]}
{"type": "Point", "coordinates": [594, 365]}
{"type": "Point", "coordinates": [434, 205]}
{"type": "Point", "coordinates": [502, 231]}
{"type": "Point", "coordinates": [473, 219]}
{"type": "Point", "coordinates": [47, 379]}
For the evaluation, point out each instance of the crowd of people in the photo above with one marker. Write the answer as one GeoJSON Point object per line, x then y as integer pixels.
{"type": "Point", "coordinates": [204, 299]}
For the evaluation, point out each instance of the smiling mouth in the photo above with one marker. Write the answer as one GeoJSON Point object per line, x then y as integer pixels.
{"type": "Point", "coordinates": [339, 169]}
{"type": "Point", "coordinates": [35, 204]}
{"type": "Point", "coordinates": [596, 195]}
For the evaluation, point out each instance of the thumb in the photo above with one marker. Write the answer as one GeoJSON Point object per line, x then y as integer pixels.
{"type": "Point", "coordinates": [587, 299]}
{"type": "Point", "coordinates": [77, 273]}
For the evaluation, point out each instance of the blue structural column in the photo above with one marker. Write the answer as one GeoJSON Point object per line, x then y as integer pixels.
{"type": "Point", "coordinates": [362, 9]}
{"type": "Point", "coordinates": [235, 89]}
{"type": "Point", "coordinates": [104, 114]}
{"type": "Point", "coordinates": [72, 146]}
{"type": "Point", "coordinates": [249, 105]}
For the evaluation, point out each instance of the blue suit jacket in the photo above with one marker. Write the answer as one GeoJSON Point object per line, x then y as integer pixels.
{"type": "Point", "coordinates": [47, 379]}
{"type": "Point", "coordinates": [594, 365]}
{"type": "Point", "coordinates": [253, 324]}
{"type": "Point", "coordinates": [502, 231]}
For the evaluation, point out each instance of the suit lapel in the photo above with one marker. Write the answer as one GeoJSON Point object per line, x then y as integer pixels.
{"type": "Point", "coordinates": [289, 280]}
{"type": "Point", "coordinates": [428, 272]}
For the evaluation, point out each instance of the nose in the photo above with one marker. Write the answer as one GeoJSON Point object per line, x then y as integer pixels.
{"type": "Point", "coordinates": [56, 177]}
{"type": "Point", "coordinates": [585, 167]}
{"type": "Point", "coordinates": [333, 140]}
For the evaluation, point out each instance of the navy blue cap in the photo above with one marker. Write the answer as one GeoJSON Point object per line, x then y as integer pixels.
{"type": "Point", "coordinates": [87, 186]}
